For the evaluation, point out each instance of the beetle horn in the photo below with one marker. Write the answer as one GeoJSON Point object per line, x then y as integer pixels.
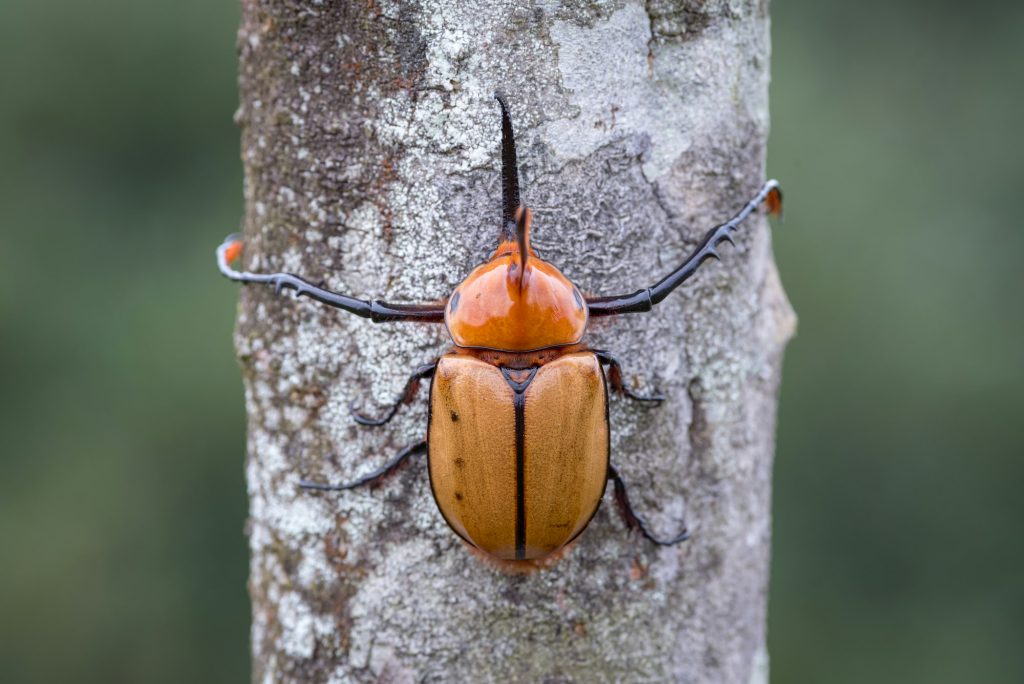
{"type": "Point", "coordinates": [524, 219]}
{"type": "Point", "coordinates": [509, 175]}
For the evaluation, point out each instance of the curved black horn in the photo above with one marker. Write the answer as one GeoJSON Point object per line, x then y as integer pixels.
{"type": "Point", "coordinates": [509, 173]}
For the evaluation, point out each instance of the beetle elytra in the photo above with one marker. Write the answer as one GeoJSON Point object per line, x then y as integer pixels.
{"type": "Point", "coordinates": [518, 437]}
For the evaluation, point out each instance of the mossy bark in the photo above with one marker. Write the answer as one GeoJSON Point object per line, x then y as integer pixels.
{"type": "Point", "coordinates": [370, 144]}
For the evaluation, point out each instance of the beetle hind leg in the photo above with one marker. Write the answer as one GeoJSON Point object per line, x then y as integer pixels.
{"type": "Point", "coordinates": [630, 517]}
{"type": "Point", "coordinates": [412, 385]}
{"type": "Point", "coordinates": [376, 477]}
{"type": "Point", "coordinates": [619, 385]}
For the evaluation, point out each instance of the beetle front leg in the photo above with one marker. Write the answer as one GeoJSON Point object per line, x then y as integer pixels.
{"type": "Point", "coordinates": [617, 382]}
{"type": "Point", "coordinates": [377, 476]}
{"type": "Point", "coordinates": [634, 521]}
{"type": "Point", "coordinates": [644, 300]}
{"type": "Point", "coordinates": [377, 311]}
{"type": "Point", "coordinates": [412, 386]}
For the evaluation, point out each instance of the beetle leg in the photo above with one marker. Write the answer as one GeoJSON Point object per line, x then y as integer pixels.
{"type": "Point", "coordinates": [412, 385]}
{"type": "Point", "coordinates": [634, 521]}
{"type": "Point", "coordinates": [374, 478]}
{"type": "Point", "coordinates": [618, 384]}
{"type": "Point", "coordinates": [377, 311]}
{"type": "Point", "coordinates": [644, 300]}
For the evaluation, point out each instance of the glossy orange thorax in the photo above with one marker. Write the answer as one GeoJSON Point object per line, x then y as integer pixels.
{"type": "Point", "coordinates": [502, 305]}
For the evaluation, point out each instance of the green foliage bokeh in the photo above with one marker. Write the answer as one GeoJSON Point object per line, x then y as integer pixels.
{"type": "Point", "coordinates": [897, 546]}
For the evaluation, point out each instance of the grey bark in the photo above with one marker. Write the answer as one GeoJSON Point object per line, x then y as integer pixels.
{"type": "Point", "coordinates": [370, 145]}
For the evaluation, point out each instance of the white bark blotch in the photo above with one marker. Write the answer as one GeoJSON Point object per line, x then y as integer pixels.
{"type": "Point", "coordinates": [370, 144]}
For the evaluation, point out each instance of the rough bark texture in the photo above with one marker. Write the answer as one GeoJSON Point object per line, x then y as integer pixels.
{"type": "Point", "coordinates": [370, 144]}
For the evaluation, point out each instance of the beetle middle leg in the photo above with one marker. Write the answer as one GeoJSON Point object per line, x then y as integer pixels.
{"type": "Point", "coordinates": [377, 476]}
{"type": "Point", "coordinates": [634, 521]}
{"type": "Point", "coordinates": [617, 382]}
{"type": "Point", "coordinates": [412, 385]}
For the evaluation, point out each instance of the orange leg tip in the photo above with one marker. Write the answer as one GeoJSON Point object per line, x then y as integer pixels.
{"type": "Point", "coordinates": [233, 251]}
{"type": "Point", "coordinates": [773, 202]}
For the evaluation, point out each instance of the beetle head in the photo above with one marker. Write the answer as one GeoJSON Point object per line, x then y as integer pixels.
{"type": "Point", "coordinates": [516, 301]}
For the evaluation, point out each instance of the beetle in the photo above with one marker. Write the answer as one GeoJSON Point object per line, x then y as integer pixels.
{"type": "Point", "coordinates": [518, 436]}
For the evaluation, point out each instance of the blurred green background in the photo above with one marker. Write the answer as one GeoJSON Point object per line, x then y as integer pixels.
{"type": "Point", "coordinates": [896, 130]}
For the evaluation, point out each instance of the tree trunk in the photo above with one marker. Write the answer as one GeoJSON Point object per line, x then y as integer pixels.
{"type": "Point", "coordinates": [370, 144]}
